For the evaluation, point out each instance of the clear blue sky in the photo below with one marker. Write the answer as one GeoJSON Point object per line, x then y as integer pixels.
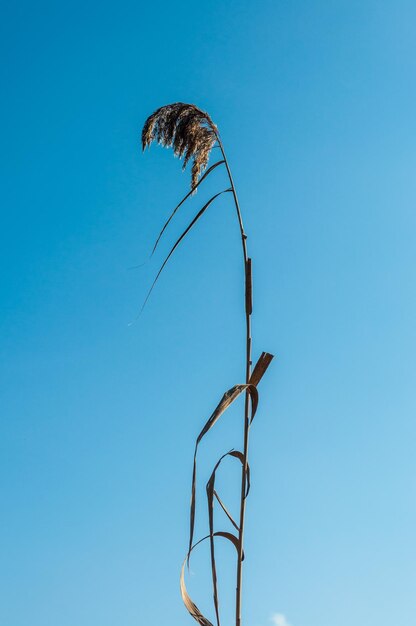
{"type": "Point", "coordinates": [316, 104]}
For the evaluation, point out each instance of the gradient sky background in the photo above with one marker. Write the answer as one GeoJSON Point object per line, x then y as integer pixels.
{"type": "Point", "coordinates": [316, 104]}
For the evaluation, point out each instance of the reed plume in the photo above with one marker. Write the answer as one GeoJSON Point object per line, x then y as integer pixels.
{"type": "Point", "coordinates": [192, 135]}
{"type": "Point", "coordinates": [188, 130]}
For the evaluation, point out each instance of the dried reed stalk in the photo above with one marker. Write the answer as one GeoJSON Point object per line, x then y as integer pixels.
{"type": "Point", "coordinates": [192, 134]}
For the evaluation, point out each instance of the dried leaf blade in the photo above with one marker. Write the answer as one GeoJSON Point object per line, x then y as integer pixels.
{"type": "Point", "coordinates": [185, 232]}
{"type": "Point", "coordinates": [194, 188]}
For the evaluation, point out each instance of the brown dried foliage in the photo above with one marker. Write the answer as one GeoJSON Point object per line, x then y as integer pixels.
{"type": "Point", "coordinates": [192, 134]}
{"type": "Point", "coordinates": [185, 128]}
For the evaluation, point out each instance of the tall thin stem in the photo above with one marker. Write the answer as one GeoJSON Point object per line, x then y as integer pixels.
{"type": "Point", "coordinates": [248, 289]}
{"type": "Point", "coordinates": [192, 135]}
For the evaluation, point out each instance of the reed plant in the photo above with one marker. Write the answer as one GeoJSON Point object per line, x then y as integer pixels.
{"type": "Point", "coordinates": [192, 135]}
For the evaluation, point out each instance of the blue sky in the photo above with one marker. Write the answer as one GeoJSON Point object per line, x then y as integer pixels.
{"type": "Point", "coordinates": [315, 103]}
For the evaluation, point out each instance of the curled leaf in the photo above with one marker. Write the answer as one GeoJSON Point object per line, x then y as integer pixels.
{"type": "Point", "coordinates": [228, 398]}
{"type": "Point", "coordinates": [192, 608]}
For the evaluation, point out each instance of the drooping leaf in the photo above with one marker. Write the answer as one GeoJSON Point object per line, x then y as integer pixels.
{"type": "Point", "coordinates": [211, 493]}
{"type": "Point", "coordinates": [192, 608]}
{"type": "Point", "coordinates": [194, 188]}
{"type": "Point", "coordinates": [185, 232]}
{"type": "Point", "coordinates": [228, 398]}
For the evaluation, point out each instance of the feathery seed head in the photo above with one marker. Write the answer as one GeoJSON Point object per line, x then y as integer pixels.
{"type": "Point", "coordinates": [185, 128]}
